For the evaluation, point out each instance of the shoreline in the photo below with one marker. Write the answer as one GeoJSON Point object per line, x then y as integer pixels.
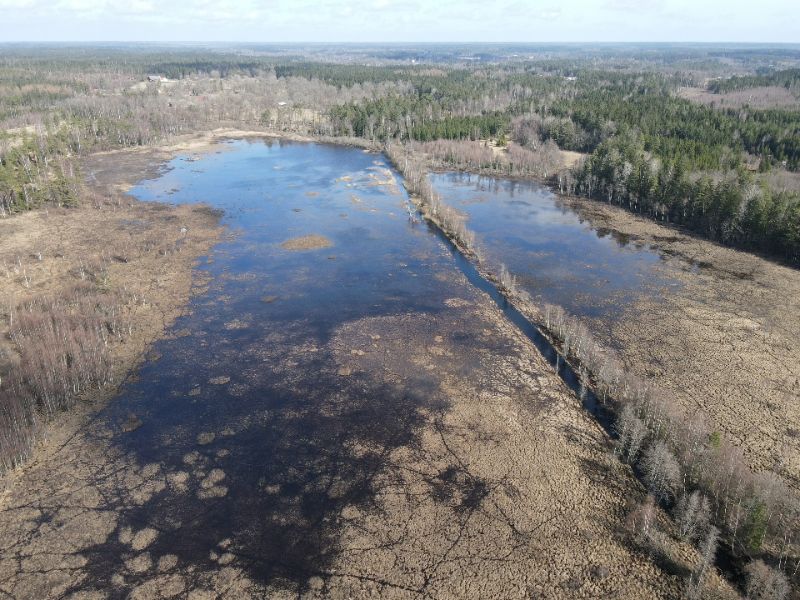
{"type": "Point", "coordinates": [113, 173]}
{"type": "Point", "coordinates": [684, 246]}
{"type": "Point", "coordinates": [595, 366]}
{"type": "Point", "coordinates": [136, 257]}
{"type": "Point", "coordinates": [716, 279]}
{"type": "Point", "coordinates": [617, 212]}
{"type": "Point", "coordinates": [112, 176]}
{"type": "Point", "coordinates": [503, 440]}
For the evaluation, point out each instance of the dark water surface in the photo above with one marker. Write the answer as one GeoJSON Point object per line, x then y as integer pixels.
{"type": "Point", "coordinates": [556, 256]}
{"type": "Point", "coordinates": [247, 397]}
{"type": "Point", "coordinates": [247, 394]}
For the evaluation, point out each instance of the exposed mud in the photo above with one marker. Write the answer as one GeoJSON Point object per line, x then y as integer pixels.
{"type": "Point", "coordinates": [307, 242]}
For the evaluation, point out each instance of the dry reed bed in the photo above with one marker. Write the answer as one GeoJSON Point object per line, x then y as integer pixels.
{"type": "Point", "coordinates": [499, 487]}
{"type": "Point", "coordinates": [701, 478]}
{"type": "Point", "coordinates": [85, 291]}
{"type": "Point", "coordinates": [514, 539]}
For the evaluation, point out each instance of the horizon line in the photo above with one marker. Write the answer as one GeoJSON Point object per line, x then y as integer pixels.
{"type": "Point", "coordinates": [407, 42]}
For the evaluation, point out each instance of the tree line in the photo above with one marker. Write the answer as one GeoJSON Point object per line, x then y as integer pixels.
{"type": "Point", "coordinates": [689, 470]}
{"type": "Point", "coordinates": [652, 152]}
{"type": "Point", "coordinates": [787, 78]}
{"type": "Point", "coordinates": [732, 208]}
{"type": "Point", "coordinates": [674, 128]}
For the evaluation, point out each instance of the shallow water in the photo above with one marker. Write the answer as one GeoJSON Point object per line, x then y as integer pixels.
{"type": "Point", "coordinates": [250, 393]}
{"type": "Point", "coordinates": [251, 405]}
{"type": "Point", "coordinates": [556, 256]}
{"type": "Point", "coordinates": [274, 192]}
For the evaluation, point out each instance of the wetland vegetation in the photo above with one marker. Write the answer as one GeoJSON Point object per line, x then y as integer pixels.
{"type": "Point", "coordinates": [431, 267]}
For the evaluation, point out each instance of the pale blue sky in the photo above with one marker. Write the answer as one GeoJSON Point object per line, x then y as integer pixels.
{"type": "Point", "coordinates": [401, 20]}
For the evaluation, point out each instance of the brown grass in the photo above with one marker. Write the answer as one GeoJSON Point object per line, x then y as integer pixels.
{"type": "Point", "coordinates": [85, 291]}
{"type": "Point", "coordinates": [725, 343]}
{"type": "Point", "coordinates": [508, 490]}
{"type": "Point", "coordinates": [760, 97]}
{"type": "Point", "coordinates": [307, 242]}
{"type": "Point", "coordinates": [708, 462]}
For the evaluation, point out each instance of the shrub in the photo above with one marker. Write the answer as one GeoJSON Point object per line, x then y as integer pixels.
{"type": "Point", "coordinates": [661, 471]}
{"type": "Point", "coordinates": [764, 582]}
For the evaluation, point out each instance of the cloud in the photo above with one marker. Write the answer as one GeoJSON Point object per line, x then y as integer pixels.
{"type": "Point", "coordinates": [140, 7]}
{"type": "Point", "coordinates": [523, 10]}
{"type": "Point", "coordinates": [397, 20]}
{"type": "Point", "coordinates": [635, 6]}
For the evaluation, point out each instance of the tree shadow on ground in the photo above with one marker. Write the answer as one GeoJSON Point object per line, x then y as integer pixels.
{"type": "Point", "coordinates": [260, 470]}
{"type": "Point", "coordinates": [599, 472]}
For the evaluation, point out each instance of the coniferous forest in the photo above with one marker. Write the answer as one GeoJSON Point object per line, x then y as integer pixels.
{"type": "Point", "coordinates": [725, 172]}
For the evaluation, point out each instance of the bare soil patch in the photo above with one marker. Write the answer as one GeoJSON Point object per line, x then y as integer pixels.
{"type": "Point", "coordinates": [307, 242]}
{"type": "Point", "coordinates": [569, 158]}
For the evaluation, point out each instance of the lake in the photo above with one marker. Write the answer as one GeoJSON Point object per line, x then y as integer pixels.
{"type": "Point", "coordinates": [253, 393]}
{"type": "Point", "coordinates": [556, 256]}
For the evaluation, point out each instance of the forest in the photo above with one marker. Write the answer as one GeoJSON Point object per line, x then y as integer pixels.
{"type": "Point", "coordinates": [647, 149]}
{"type": "Point", "coordinates": [788, 78]}
{"type": "Point", "coordinates": [731, 175]}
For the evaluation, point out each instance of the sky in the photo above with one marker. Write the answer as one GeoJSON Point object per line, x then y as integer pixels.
{"type": "Point", "coordinates": [401, 20]}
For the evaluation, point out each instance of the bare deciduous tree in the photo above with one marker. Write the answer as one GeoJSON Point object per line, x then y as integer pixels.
{"type": "Point", "coordinates": [764, 582]}
{"type": "Point", "coordinates": [692, 515]}
{"type": "Point", "coordinates": [708, 552]}
{"type": "Point", "coordinates": [632, 433]}
{"type": "Point", "coordinates": [661, 470]}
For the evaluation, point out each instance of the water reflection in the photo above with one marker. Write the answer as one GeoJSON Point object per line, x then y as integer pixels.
{"type": "Point", "coordinates": [264, 429]}
{"type": "Point", "coordinates": [556, 255]}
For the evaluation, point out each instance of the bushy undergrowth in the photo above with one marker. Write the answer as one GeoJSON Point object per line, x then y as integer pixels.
{"type": "Point", "coordinates": [64, 350]}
